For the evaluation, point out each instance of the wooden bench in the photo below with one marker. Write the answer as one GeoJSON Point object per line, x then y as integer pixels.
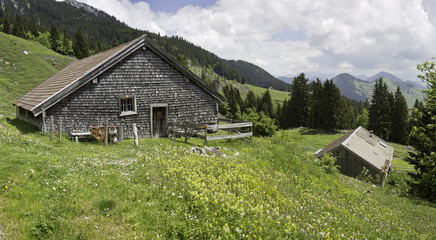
{"type": "Point", "coordinates": [76, 136]}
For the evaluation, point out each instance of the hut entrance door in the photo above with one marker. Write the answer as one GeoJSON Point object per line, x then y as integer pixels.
{"type": "Point", "coordinates": [159, 121]}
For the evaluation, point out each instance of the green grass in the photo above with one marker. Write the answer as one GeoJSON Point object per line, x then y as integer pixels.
{"type": "Point", "coordinates": [269, 188]}
{"type": "Point", "coordinates": [19, 72]}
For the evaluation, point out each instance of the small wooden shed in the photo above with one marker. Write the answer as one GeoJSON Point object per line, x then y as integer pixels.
{"type": "Point", "coordinates": [137, 82]}
{"type": "Point", "coordinates": [359, 149]}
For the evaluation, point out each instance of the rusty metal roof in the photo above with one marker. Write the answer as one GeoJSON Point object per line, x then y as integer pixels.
{"type": "Point", "coordinates": [80, 72]}
{"type": "Point", "coordinates": [366, 146]}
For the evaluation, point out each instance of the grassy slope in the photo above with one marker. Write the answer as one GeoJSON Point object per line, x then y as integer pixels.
{"type": "Point", "coordinates": [271, 190]}
{"type": "Point", "coordinates": [276, 95]}
{"type": "Point", "coordinates": [20, 72]}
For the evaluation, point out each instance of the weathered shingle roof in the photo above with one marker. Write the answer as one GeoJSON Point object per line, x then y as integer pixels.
{"type": "Point", "coordinates": [366, 146]}
{"type": "Point", "coordinates": [80, 72]}
{"type": "Point", "coordinates": [63, 78]}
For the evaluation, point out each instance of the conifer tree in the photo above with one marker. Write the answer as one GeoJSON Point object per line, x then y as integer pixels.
{"type": "Point", "coordinates": [266, 104]}
{"type": "Point", "coordinates": [250, 100]}
{"type": "Point", "coordinates": [380, 119]}
{"type": "Point", "coordinates": [54, 39]}
{"type": "Point", "coordinates": [298, 105]}
{"type": "Point", "coordinates": [80, 46]}
{"type": "Point", "coordinates": [332, 107]}
{"type": "Point", "coordinates": [283, 118]}
{"type": "Point", "coordinates": [400, 117]}
{"type": "Point", "coordinates": [317, 102]}
{"type": "Point", "coordinates": [6, 25]}
{"type": "Point", "coordinates": [423, 138]}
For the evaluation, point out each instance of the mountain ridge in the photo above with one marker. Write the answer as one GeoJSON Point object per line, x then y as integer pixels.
{"type": "Point", "coordinates": [68, 15]}
{"type": "Point", "coordinates": [361, 89]}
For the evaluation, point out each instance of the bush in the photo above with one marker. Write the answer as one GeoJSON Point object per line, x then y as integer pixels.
{"type": "Point", "coordinates": [262, 124]}
{"type": "Point", "coordinates": [398, 182]}
{"type": "Point", "coordinates": [328, 164]}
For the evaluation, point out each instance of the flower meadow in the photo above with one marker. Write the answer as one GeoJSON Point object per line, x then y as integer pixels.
{"type": "Point", "coordinates": [267, 188]}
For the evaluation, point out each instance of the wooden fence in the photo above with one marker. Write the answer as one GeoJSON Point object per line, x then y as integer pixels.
{"type": "Point", "coordinates": [207, 132]}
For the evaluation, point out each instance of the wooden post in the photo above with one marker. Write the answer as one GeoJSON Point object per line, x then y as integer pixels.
{"type": "Point", "coordinates": [51, 127]}
{"type": "Point", "coordinates": [106, 133]}
{"type": "Point", "coordinates": [43, 122]}
{"type": "Point", "coordinates": [174, 132]}
{"type": "Point", "coordinates": [205, 135]}
{"type": "Point", "coordinates": [120, 133]}
{"type": "Point", "coordinates": [60, 129]}
{"type": "Point", "coordinates": [251, 130]}
{"type": "Point", "coordinates": [186, 131]}
{"type": "Point", "coordinates": [135, 134]}
{"type": "Point", "coordinates": [77, 139]}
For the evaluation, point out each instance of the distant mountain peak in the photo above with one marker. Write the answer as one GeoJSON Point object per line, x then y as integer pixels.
{"type": "Point", "coordinates": [84, 6]}
{"type": "Point", "coordinates": [384, 74]}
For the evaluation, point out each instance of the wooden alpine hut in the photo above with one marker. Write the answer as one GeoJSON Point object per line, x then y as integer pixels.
{"type": "Point", "coordinates": [137, 82]}
{"type": "Point", "coordinates": [359, 149]}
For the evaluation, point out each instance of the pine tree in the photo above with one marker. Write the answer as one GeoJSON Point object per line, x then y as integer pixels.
{"type": "Point", "coordinates": [423, 138]}
{"type": "Point", "coordinates": [283, 118]}
{"type": "Point", "coordinates": [400, 117]}
{"type": "Point", "coordinates": [316, 109]}
{"type": "Point", "coordinates": [266, 104]}
{"type": "Point", "coordinates": [298, 105]}
{"type": "Point", "coordinates": [333, 108]}
{"type": "Point", "coordinates": [54, 39]}
{"type": "Point", "coordinates": [80, 46]}
{"type": "Point", "coordinates": [250, 100]}
{"type": "Point", "coordinates": [380, 118]}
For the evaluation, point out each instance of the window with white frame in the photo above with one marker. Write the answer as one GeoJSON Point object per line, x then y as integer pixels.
{"type": "Point", "coordinates": [127, 104]}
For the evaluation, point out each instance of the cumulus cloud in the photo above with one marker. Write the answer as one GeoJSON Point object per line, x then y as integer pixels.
{"type": "Point", "coordinates": [135, 14]}
{"type": "Point", "coordinates": [360, 37]}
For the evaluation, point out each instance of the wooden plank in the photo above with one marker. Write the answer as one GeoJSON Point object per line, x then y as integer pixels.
{"type": "Point", "coordinates": [229, 126]}
{"type": "Point", "coordinates": [80, 134]}
{"type": "Point", "coordinates": [242, 135]}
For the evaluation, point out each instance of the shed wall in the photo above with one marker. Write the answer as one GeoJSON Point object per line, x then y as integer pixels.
{"type": "Point", "coordinates": [351, 165]}
{"type": "Point", "coordinates": [145, 75]}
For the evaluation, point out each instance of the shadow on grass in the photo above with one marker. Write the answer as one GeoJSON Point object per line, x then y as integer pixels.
{"type": "Point", "coordinates": [23, 126]}
{"type": "Point", "coordinates": [317, 131]}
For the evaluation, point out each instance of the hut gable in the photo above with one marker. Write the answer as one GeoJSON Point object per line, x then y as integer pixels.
{"type": "Point", "coordinates": [360, 148]}
{"type": "Point", "coordinates": [136, 82]}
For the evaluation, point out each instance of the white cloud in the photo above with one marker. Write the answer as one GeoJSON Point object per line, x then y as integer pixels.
{"type": "Point", "coordinates": [137, 15]}
{"type": "Point", "coordinates": [361, 37]}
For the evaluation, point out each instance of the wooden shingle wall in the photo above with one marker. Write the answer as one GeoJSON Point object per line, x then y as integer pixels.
{"type": "Point", "coordinates": [151, 80]}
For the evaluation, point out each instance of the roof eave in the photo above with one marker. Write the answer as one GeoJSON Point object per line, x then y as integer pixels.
{"type": "Point", "coordinates": [88, 76]}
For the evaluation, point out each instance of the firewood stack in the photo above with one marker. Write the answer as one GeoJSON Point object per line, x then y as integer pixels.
{"type": "Point", "coordinates": [98, 133]}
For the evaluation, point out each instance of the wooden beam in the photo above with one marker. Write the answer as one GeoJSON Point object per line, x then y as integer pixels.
{"type": "Point", "coordinates": [242, 135]}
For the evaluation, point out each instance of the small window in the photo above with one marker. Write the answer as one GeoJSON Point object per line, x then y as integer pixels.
{"type": "Point", "coordinates": [127, 104]}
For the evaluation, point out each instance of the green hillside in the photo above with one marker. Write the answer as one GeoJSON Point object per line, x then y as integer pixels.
{"type": "Point", "coordinates": [24, 65]}
{"type": "Point", "coordinates": [354, 88]}
{"type": "Point", "coordinates": [267, 188]}
{"type": "Point", "coordinates": [100, 27]}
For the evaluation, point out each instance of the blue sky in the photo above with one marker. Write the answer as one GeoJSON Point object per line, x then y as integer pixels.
{"type": "Point", "coordinates": [289, 37]}
{"type": "Point", "coordinates": [172, 6]}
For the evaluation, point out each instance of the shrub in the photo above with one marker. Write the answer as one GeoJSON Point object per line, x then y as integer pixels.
{"type": "Point", "coordinates": [328, 164]}
{"type": "Point", "coordinates": [262, 124]}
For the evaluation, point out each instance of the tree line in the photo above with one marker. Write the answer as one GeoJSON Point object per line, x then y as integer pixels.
{"type": "Point", "coordinates": [321, 106]}
{"type": "Point", "coordinates": [53, 38]}
{"type": "Point", "coordinates": [102, 31]}
{"type": "Point", "coordinates": [315, 105]}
